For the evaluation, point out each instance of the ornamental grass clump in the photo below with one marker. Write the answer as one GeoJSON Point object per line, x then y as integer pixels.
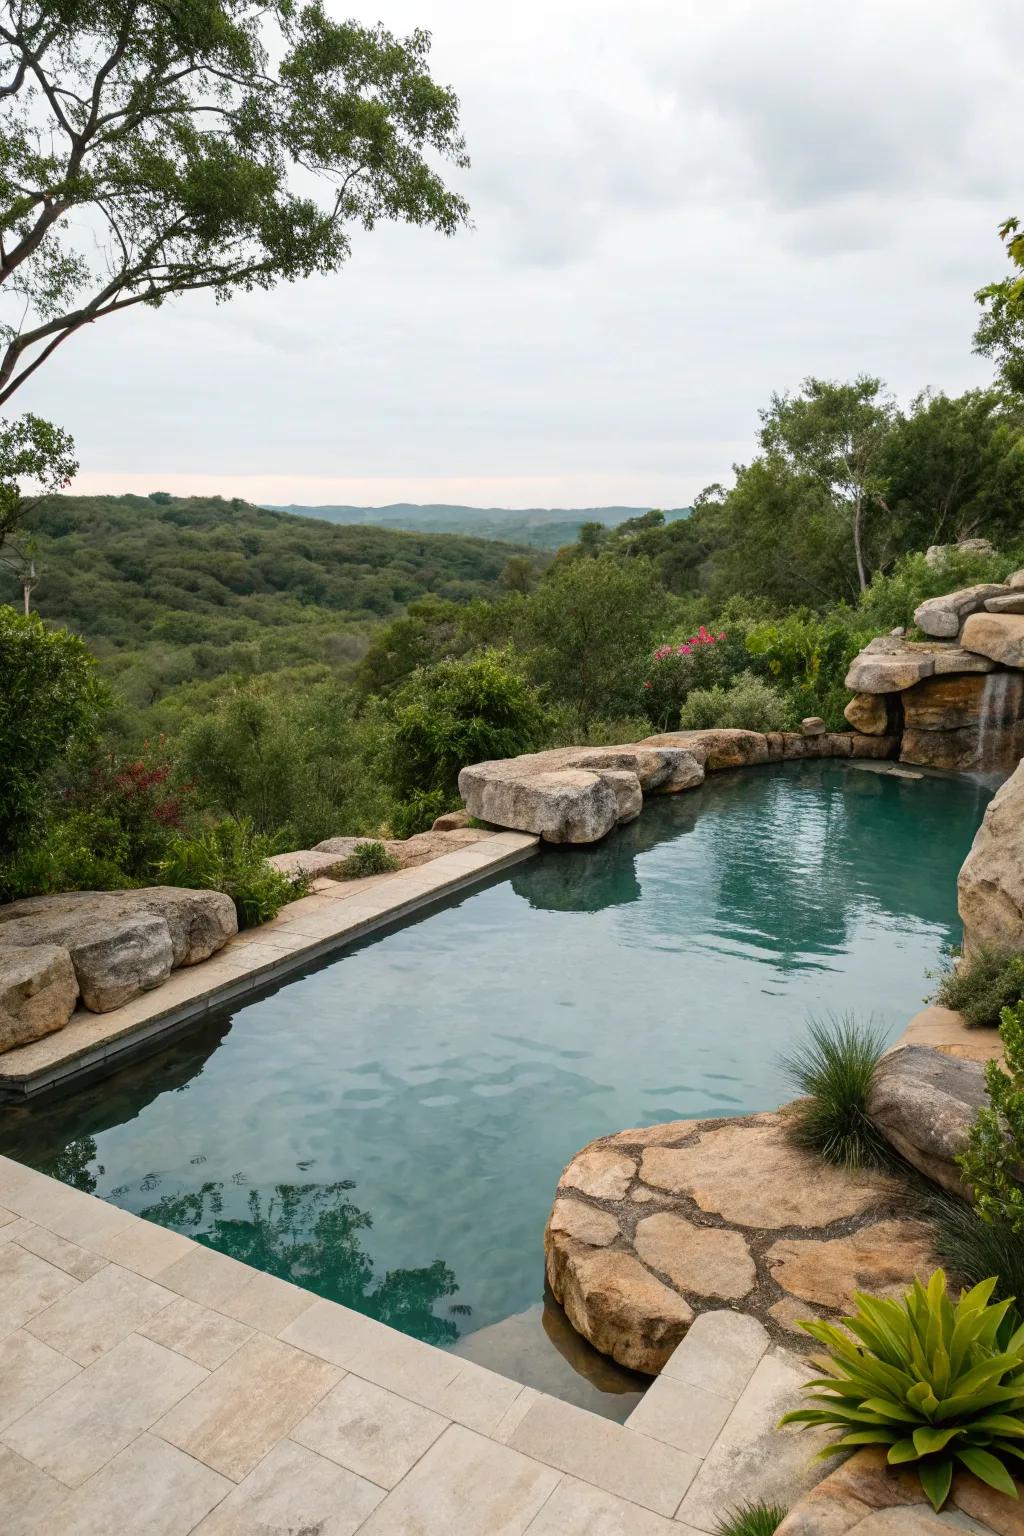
{"type": "Point", "coordinates": [758, 1519]}
{"type": "Point", "coordinates": [834, 1069]}
{"type": "Point", "coordinates": [368, 859]}
{"type": "Point", "coordinates": [938, 1383]}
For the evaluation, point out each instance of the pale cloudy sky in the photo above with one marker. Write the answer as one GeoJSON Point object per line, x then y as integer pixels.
{"type": "Point", "coordinates": [678, 205]}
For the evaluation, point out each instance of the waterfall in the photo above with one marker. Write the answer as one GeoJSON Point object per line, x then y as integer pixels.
{"type": "Point", "coordinates": [1001, 708]}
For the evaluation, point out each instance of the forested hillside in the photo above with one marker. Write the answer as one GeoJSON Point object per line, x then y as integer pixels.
{"type": "Point", "coordinates": [541, 527]}
{"type": "Point", "coordinates": [169, 591]}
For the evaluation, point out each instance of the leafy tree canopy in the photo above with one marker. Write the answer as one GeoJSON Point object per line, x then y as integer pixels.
{"type": "Point", "coordinates": [1000, 333]}
{"type": "Point", "coordinates": [153, 148]}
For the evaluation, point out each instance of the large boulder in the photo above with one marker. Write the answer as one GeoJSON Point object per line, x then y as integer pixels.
{"type": "Point", "coordinates": [114, 958]}
{"type": "Point", "coordinates": [1013, 602]}
{"type": "Point", "coordinates": [1000, 636]}
{"type": "Point", "coordinates": [569, 805]}
{"type": "Point", "coordinates": [715, 749]}
{"type": "Point", "coordinates": [890, 670]}
{"type": "Point", "coordinates": [995, 750]}
{"type": "Point", "coordinates": [38, 992]}
{"type": "Point", "coordinates": [869, 713]}
{"type": "Point", "coordinates": [865, 1496]}
{"type": "Point", "coordinates": [924, 1102]}
{"type": "Point", "coordinates": [943, 616]}
{"type": "Point", "coordinates": [991, 882]}
{"type": "Point", "coordinates": [198, 923]}
{"type": "Point", "coordinates": [947, 703]}
{"type": "Point", "coordinates": [653, 1227]}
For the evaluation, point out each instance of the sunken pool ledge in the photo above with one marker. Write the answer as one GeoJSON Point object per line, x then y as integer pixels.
{"type": "Point", "coordinates": [153, 1384]}
{"type": "Point", "coordinates": [337, 913]}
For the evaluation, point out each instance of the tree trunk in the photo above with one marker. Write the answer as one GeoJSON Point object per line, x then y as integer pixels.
{"type": "Point", "coordinates": [857, 549]}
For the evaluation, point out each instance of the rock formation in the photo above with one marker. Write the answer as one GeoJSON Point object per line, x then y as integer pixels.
{"type": "Point", "coordinates": [991, 882]}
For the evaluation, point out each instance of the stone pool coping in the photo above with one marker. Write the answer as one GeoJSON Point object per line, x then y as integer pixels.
{"type": "Point", "coordinates": [336, 914]}
{"type": "Point", "coordinates": [154, 1385]}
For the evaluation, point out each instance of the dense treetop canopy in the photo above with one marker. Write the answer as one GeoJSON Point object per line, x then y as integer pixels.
{"type": "Point", "coordinates": [156, 147]}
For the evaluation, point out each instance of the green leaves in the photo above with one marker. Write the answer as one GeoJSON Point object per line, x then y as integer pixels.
{"type": "Point", "coordinates": [937, 1382]}
{"type": "Point", "coordinates": [994, 1156]}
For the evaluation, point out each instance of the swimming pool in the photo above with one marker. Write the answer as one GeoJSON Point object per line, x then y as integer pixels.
{"type": "Point", "coordinates": [388, 1129]}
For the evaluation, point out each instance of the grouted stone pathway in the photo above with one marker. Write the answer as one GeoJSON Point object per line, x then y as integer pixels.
{"type": "Point", "coordinates": [154, 1386]}
{"type": "Point", "coordinates": [652, 1227]}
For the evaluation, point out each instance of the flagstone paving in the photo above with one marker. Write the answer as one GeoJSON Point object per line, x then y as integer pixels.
{"type": "Point", "coordinates": [153, 1386]}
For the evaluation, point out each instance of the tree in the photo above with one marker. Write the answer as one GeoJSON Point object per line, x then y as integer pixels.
{"type": "Point", "coordinates": [837, 434]}
{"type": "Point", "coordinates": [590, 627]}
{"type": "Point", "coordinates": [153, 149]}
{"type": "Point", "coordinates": [1000, 333]}
{"type": "Point", "coordinates": [49, 704]}
{"type": "Point", "coordinates": [30, 449]}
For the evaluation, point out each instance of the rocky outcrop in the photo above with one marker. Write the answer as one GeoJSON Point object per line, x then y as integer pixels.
{"type": "Point", "coordinates": [327, 859]}
{"type": "Point", "coordinates": [991, 882]}
{"type": "Point", "coordinates": [924, 1101]}
{"type": "Point", "coordinates": [944, 616]}
{"type": "Point", "coordinates": [122, 943]}
{"type": "Point", "coordinates": [869, 713]}
{"type": "Point", "coordinates": [38, 992]}
{"type": "Point", "coordinates": [575, 794]}
{"type": "Point", "coordinates": [1013, 602]}
{"type": "Point", "coordinates": [1000, 636]}
{"type": "Point", "coordinates": [652, 1227]}
{"type": "Point", "coordinates": [866, 1497]}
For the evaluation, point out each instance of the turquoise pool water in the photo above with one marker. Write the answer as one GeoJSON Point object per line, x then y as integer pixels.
{"type": "Point", "coordinates": [389, 1128]}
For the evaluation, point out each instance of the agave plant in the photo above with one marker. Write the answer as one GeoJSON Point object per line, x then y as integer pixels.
{"type": "Point", "coordinates": [936, 1382]}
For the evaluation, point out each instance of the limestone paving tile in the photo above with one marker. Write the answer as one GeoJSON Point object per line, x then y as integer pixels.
{"type": "Point", "coordinates": [148, 1489]}
{"type": "Point", "coordinates": [244, 1407]}
{"type": "Point", "coordinates": [578, 1509]}
{"type": "Point", "coordinates": [207, 1337]}
{"type": "Point", "coordinates": [78, 1428]}
{"type": "Point", "coordinates": [334, 1333]}
{"type": "Point", "coordinates": [607, 1455]}
{"type": "Point", "coordinates": [369, 1430]}
{"type": "Point", "coordinates": [751, 1458]}
{"type": "Point", "coordinates": [6, 1216]}
{"type": "Point", "coordinates": [144, 1247]}
{"type": "Point", "coordinates": [29, 1372]}
{"type": "Point", "coordinates": [205, 1276]}
{"type": "Point", "coordinates": [268, 1303]}
{"type": "Point", "coordinates": [681, 1415]}
{"type": "Point", "coordinates": [514, 1415]}
{"type": "Point", "coordinates": [27, 1285]}
{"type": "Point", "coordinates": [476, 1397]}
{"type": "Point", "coordinates": [294, 1492]}
{"type": "Point", "coordinates": [103, 1310]}
{"type": "Point", "coordinates": [465, 1485]}
{"type": "Point", "coordinates": [27, 1495]}
{"type": "Point", "coordinates": [79, 1263]}
{"type": "Point", "coordinates": [719, 1354]}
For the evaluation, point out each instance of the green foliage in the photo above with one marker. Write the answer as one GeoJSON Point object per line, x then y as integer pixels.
{"type": "Point", "coordinates": [808, 657]}
{"type": "Point", "coordinates": [748, 703]}
{"type": "Point", "coordinates": [757, 1519]}
{"type": "Point", "coordinates": [891, 598]}
{"type": "Point", "coordinates": [834, 1068]}
{"type": "Point", "coordinates": [31, 449]}
{"type": "Point", "coordinates": [153, 150]}
{"type": "Point", "coordinates": [50, 705]}
{"type": "Point", "coordinates": [589, 629]}
{"type": "Point", "coordinates": [981, 987]}
{"type": "Point", "coordinates": [707, 659]}
{"type": "Point", "coordinates": [446, 716]}
{"type": "Point", "coordinates": [936, 1382]}
{"type": "Point", "coordinates": [1000, 333]}
{"type": "Point", "coordinates": [77, 852]}
{"type": "Point", "coordinates": [232, 857]}
{"type": "Point", "coordinates": [973, 1249]}
{"type": "Point", "coordinates": [993, 1162]}
{"type": "Point", "coordinates": [368, 859]}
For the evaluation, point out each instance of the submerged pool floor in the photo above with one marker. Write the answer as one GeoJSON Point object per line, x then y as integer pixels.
{"type": "Point", "coordinates": [388, 1129]}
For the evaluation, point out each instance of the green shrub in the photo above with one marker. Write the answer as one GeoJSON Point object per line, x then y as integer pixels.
{"type": "Point", "coordinates": [973, 1249]}
{"type": "Point", "coordinates": [446, 716]}
{"type": "Point", "coordinates": [368, 859]}
{"type": "Point", "coordinates": [748, 703]}
{"type": "Point", "coordinates": [834, 1069]}
{"type": "Point", "coordinates": [50, 704]}
{"type": "Point", "coordinates": [936, 1382]}
{"type": "Point", "coordinates": [993, 1162]}
{"type": "Point", "coordinates": [891, 598]}
{"type": "Point", "coordinates": [78, 852]}
{"type": "Point", "coordinates": [980, 988]}
{"type": "Point", "coordinates": [697, 662]}
{"type": "Point", "coordinates": [758, 1519]}
{"type": "Point", "coordinates": [808, 657]}
{"type": "Point", "coordinates": [232, 857]}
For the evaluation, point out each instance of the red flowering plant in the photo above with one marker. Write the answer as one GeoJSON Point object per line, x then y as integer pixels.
{"type": "Point", "coordinates": [699, 661]}
{"type": "Point", "coordinates": [135, 805]}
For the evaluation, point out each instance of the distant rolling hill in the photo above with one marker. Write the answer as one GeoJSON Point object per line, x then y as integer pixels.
{"type": "Point", "coordinates": [542, 527]}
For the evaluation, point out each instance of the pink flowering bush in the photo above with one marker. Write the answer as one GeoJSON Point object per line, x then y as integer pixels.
{"type": "Point", "coordinates": [704, 660]}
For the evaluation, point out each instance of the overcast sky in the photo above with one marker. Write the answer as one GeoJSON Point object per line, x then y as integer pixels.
{"type": "Point", "coordinates": [679, 206]}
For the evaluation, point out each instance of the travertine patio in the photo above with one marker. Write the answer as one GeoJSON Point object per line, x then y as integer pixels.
{"type": "Point", "coordinates": [154, 1386]}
